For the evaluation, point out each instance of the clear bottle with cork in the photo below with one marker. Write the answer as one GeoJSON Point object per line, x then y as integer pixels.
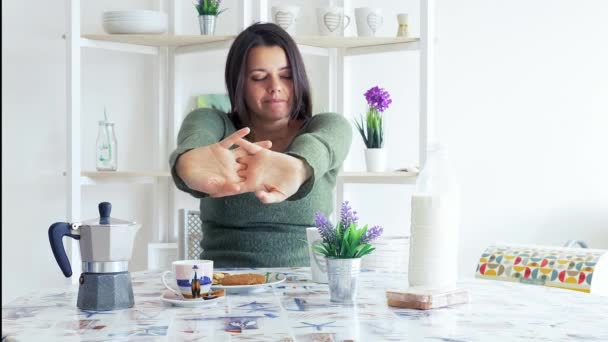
{"type": "Point", "coordinates": [106, 156]}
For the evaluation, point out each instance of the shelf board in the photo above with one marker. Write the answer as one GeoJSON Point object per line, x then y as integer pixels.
{"type": "Point", "coordinates": [189, 40]}
{"type": "Point", "coordinates": [351, 42]}
{"type": "Point", "coordinates": [130, 173]}
{"type": "Point", "coordinates": [391, 177]}
{"type": "Point", "coordinates": [129, 176]}
{"type": "Point", "coordinates": [158, 40]}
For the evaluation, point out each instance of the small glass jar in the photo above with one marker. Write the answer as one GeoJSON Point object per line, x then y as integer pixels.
{"type": "Point", "coordinates": [106, 156]}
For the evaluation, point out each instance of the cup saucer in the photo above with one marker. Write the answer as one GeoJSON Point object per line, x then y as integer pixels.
{"type": "Point", "coordinates": [172, 298]}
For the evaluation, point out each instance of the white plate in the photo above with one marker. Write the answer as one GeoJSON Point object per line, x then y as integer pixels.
{"type": "Point", "coordinates": [272, 278]}
{"type": "Point", "coordinates": [172, 298]}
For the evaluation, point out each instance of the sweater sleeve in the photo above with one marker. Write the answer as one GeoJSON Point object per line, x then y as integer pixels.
{"type": "Point", "coordinates": [324, 146]}
{"type": "Point", "coordinates": [202, 127]}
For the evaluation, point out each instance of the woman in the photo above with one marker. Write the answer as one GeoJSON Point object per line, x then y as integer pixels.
{"type": "Point", "coordinates": [258, 199]}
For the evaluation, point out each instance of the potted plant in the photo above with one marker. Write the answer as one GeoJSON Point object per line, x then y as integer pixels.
{"type": "Point", "coordinates": [208, 10]}
{"type": "Point", "coordinates": [372, 128]}
{"type": "Point", "coordinates": [343, 246]}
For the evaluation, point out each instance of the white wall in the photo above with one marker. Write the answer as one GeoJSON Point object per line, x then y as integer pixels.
{"type": "Point", "coordinates": [521, 100]}
{"type": "Point", "coordinates": [33, 143]}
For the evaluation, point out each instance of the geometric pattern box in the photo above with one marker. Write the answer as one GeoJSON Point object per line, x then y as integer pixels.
{"type": "Point", "coordinates": [579, 269]}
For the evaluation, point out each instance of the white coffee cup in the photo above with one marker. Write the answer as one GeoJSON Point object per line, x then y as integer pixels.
{"type": "Point", "coordinates": [332, 21]}
{"type": "Point", "coordinates": [368, 20]}
{"type": "Point", "coordinates": [191, 278]}
{"type": "Point", "coordinates": [318, 265]}
{"type": "Point", "coordinates": [286, 17]}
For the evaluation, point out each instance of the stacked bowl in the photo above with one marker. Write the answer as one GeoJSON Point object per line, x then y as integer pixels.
{"type": "Point", "coordinates": [135, 22]}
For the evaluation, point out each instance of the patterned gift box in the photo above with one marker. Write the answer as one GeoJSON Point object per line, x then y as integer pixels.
{"type": "Point", "coordinates": [578, 269]}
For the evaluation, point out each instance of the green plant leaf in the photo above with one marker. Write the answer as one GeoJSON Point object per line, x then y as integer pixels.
{"type": "Point", "coordinates": [362, 130]}
{"type": "Point", "coordinates": [365, 250]}
{"type": "Point", "coordinates": [321, 250]}
{"type": "Point", "coordinates": [358, 249]}
{"type": "Point", "coordinates": [358, 234]}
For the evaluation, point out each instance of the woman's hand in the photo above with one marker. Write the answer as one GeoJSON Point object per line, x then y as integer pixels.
{"type": "Point", "coordinates": [273, 176]}
{"type": "Point", "coordinates": [213, 169]}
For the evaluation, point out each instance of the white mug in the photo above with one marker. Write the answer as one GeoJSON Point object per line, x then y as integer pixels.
{"type": "Point", "coordinates": [285, 17]}
{"type": "Point", "coordinates": [368, 20]}
{"type": "Point", "coordinates": [332, 21]}
{"type": "Point", "coordinates": [191, 278]}
{"type": "Point", "coordinates": [318, 264]}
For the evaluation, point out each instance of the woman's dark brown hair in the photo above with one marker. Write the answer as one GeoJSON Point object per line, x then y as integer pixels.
{"type": "Point", "coordinates": [268, 35]}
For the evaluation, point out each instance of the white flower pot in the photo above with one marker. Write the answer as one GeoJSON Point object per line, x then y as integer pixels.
{"type": "Point", "coordinates": [375, 159]}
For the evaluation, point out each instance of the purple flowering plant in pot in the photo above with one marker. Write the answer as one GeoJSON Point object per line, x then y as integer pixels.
{"type": "Point", "coordinates": [345, 240]}
{"type": "Point", "coordinates": [343, 246]}
{"type": "Point", "coordinates": [372, 128]}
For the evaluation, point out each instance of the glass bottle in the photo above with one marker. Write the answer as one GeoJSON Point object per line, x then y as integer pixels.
{"type": "Point", "coordinates": [435, 218]}
{"type": "Point", "coordinates": [106, 155]}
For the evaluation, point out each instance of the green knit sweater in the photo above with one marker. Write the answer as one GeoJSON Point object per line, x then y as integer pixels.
{"type": "Point", "coordinates": [240, 231]}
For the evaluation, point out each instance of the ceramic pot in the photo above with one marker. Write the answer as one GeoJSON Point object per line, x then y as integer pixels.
{"type": "Point", "coordinates": [375, 159]}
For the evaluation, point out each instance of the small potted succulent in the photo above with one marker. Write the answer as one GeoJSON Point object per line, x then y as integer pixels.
{"type": "Point", "coordinates": [343, 246]}
{"type": "Point", "coordinates": [208, 10]}
{"type": "Point", "coordinates": [372, 128]}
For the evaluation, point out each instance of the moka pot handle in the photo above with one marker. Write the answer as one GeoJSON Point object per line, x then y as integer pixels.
{"type": "Point", "coordinates": [56, 233]}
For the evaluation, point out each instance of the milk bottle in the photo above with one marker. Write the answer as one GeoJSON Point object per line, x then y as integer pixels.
{"type": "Point", "coordinates": [435, 218]}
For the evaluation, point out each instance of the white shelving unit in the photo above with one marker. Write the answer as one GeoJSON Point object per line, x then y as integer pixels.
{"type": "Point", "coordinates": [168, 114]}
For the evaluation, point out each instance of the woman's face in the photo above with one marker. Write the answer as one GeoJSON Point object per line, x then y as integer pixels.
{"type": "Point", "coordinates": [269, 86]}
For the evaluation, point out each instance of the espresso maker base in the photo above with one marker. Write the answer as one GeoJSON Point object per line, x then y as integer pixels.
{"type": "Point", "coordinates": [105, 291]}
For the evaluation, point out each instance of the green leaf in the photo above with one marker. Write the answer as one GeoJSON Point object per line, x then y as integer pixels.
{"type": "Point", "coordinates": [365, 250]}
{"type": "Point", "coordinates": [358, 234]}
{"type": "Point", "coordinates": [321, 250]}
{"type": "Point", "coordinates": [358, 249]}
{"type": "Point", "coordinates": [347, 233]}
{"type": "Point", "coordinates": [362, 131]}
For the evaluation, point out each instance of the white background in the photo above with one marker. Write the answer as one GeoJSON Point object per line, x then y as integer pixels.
{"type": "Point", "coordinates": [521, 102]}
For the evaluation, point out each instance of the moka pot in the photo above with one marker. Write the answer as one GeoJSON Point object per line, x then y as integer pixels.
{"type": "Point", "coordinates": [106, 245]}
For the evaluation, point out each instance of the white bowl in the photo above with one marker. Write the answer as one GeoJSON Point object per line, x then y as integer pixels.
{"type": "Point", "coordinates": [132, 13]}
{"type": "Point", "coordinates": [135, 22]}
{"type": "Point", "coordinates": [135, 27]}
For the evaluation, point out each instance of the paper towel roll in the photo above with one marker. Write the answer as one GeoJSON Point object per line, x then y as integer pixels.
{"type": "Point", "coordinates": [579, 269]}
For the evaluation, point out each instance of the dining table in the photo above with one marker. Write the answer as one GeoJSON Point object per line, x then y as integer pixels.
{"type": "Point", "coordinates": [298, 309]}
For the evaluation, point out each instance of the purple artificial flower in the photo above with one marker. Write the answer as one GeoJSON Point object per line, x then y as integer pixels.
{"type": "Point", "coordinates": [372, 234]}
{"type": "Point", "coordinates": [378, 98]}
{"type": "Point", "coordinates": [347, 217]}
{"type": "Point", "coordinates": [325, 228]}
